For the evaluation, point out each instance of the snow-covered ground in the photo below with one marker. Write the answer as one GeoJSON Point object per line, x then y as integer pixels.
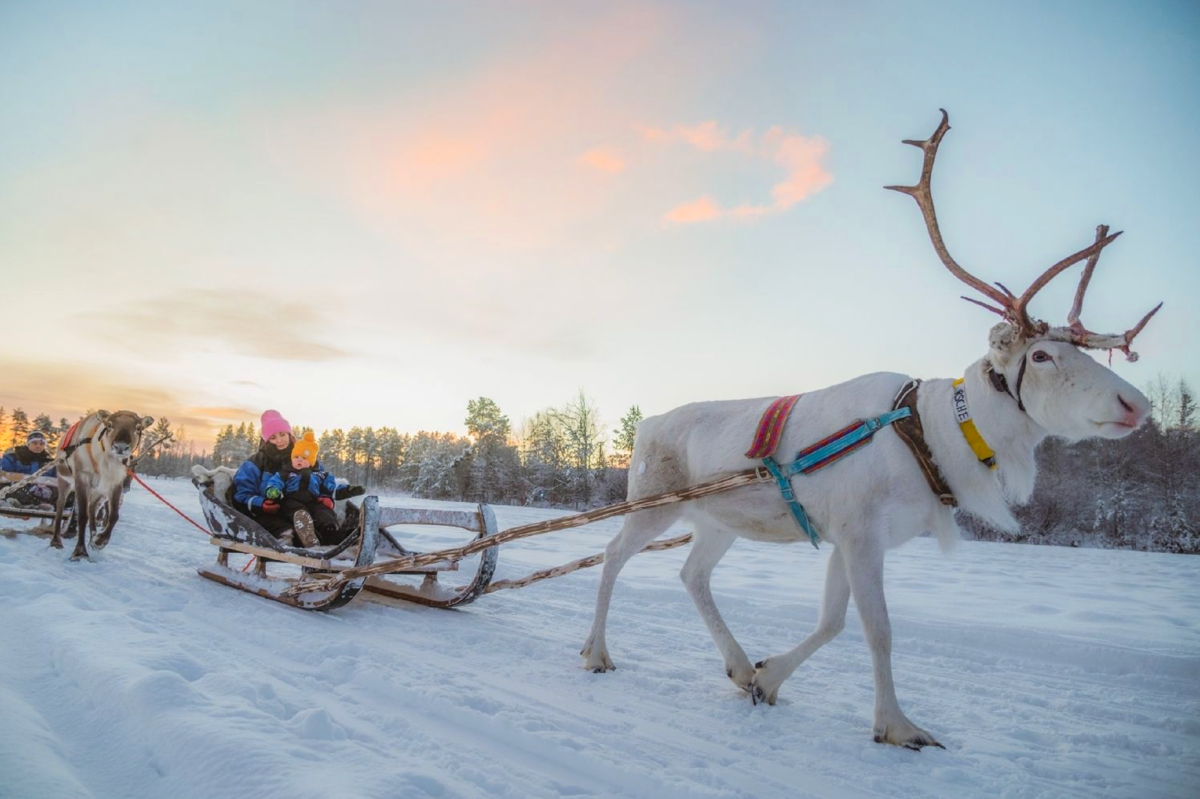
{"type": "Point", "coordinates": [1044, 671]}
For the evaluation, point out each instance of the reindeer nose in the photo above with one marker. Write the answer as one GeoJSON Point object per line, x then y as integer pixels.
{"type": "Point", "coordinates": [1134, 416]}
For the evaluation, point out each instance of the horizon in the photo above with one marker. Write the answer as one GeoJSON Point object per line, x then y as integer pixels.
{"type": "Point", "coordinates": [370, 214]}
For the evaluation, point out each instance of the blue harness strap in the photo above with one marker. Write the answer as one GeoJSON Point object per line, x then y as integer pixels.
{"type": "Point", "coordinates": [813, 458]}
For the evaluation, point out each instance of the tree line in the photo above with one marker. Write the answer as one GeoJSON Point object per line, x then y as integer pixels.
{"type": "Point", "coordinates": [1141, 492]}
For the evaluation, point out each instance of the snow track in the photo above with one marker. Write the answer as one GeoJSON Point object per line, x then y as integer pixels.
{"type": "Point", "coordinates": [1045, 671]}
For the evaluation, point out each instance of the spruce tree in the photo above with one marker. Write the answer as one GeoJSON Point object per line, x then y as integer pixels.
{"type": "Point", "coordinates": [19, 427]}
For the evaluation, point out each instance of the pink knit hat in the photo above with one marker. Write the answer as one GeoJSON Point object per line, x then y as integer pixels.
{"type": "Point", "coordinates": [272, 423]}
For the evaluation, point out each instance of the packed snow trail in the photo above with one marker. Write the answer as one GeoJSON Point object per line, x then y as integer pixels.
{"type": "Point", "coordinates": [1045, 671]}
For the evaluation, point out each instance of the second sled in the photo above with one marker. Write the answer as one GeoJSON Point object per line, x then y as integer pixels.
{"type": "Point", "coordinates": [369, 543]}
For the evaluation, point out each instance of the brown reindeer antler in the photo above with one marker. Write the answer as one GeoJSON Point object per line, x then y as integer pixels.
{"type": "Point", "coordinates": [1013, 308]}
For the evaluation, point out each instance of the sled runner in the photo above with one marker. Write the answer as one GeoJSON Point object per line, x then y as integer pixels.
{"type": "Point", "coordinates": [371, 543]}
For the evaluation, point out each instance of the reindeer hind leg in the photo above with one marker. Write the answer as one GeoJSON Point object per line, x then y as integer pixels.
{"type": "Point", "coordinates": [709, 546]}
{"type": "Point", "coordinates": [64, 484]}
{"type": "Point", "coordinates": [638, 530]}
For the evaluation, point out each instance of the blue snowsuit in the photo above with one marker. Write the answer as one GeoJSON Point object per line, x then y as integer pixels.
{"type": "Point", "coordinates": [314, 484]}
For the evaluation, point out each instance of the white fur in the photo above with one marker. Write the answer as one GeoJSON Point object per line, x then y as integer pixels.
{"type": "Point", "coordinates": [864, 504]}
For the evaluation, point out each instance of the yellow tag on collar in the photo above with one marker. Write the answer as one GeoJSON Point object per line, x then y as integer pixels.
{"type": "Point", "coordinates": [970, 432]}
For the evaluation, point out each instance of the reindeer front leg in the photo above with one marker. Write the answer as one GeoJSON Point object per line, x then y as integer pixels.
{"type": "Point", "coordinates": [83, 516]}
{"type": "Point", "coordinates": [113, 511]}
{"type": "Point", "coordinates": [864, 567]}
{"type": "Point", "coordinates": [770, 673]}
{"type": "Point", "coordinates": [708, 547]}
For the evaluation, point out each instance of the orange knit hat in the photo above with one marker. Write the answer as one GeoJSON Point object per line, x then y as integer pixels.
{"type": "Point", "coordinates": [307, 448]}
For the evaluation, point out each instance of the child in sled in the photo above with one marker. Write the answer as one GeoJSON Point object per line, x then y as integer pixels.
{"type": "Point", "coordinates": [305, 495]}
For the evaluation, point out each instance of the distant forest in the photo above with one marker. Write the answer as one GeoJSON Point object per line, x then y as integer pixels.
{"type": "Point", "coordinates": [1142, 492]}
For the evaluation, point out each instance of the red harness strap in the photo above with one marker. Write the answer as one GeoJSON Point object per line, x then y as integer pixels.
{"type": "Point", "coordinates": [770, 427]}
{"type": "Point", "coordinates": [65, 441]}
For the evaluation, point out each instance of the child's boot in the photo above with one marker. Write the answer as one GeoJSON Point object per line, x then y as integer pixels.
{"type": "Point", "coordinates": [305, 529]}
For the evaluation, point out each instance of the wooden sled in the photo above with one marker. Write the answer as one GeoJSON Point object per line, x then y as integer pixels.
{"type": "Point", "coordinates": [235, 532]}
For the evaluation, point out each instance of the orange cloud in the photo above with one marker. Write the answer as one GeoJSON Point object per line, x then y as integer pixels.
{"type": "Point", "coordinates": [701, 210]}
{"type": "Point", "coordinates": [605, 159]}
{"type": "Point", "coordinates": [800, 157]}
{"type": "Point", "coordinates": [706, 137]}
{"type": "Point", "coordinates": [436, 157]}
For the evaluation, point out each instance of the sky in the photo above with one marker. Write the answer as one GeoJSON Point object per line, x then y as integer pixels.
{"type": "Point", "coordinates": [369, 213]}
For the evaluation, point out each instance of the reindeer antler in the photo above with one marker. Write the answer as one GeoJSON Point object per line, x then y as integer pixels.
{"type": "Point", "coordinates": [1013, 308]}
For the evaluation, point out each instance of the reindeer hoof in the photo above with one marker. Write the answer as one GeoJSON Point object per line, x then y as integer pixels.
{"type": "Point", "coordinates": [56, 543]}
{"type": "Point", "coordinates": [596, 659]}
{"type": "Point", "coordinates": [758, 696]}
{"type": "Point", "coordinates": [81, 556]}
{"type": "Point", "coordinates": [907, 735]}
{"type": "Point", "coordinates": [100, 541]}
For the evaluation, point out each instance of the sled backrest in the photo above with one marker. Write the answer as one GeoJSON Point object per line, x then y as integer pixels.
{"type": "Point", "coordinates": [477, 521]}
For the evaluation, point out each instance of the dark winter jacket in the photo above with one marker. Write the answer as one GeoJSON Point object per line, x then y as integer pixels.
{"type": "Point", "coordinates": [305, 485]}
{"type": "Point", "coordinates": [253, 476]}
{"type": "Point", "coordinates": [25, 461]}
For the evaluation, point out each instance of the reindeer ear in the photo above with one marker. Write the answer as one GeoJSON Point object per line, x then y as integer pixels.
{"type": "Point", "coordinates": [146, 421]}
{"type": "Point", "coordinates": [103, 415]}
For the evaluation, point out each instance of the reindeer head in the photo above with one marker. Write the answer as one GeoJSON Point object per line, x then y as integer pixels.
{"type": "Point", "coordinates": [123, 430]}
{"type": "Point", "coordinates": [1044, 368]}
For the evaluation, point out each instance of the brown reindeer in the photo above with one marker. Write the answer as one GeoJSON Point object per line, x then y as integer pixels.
{"type": "Point", "coordinates": [93, 461]}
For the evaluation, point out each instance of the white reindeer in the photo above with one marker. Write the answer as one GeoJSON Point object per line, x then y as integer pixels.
{"type": "Point", "coordinates": [1033, 382]}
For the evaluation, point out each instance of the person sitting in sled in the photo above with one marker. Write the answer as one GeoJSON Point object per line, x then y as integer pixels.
{"type": "Point", "coordinates": [304, 493]}
{"type": "Point", "coordinates": [250, 482]}
{"type": "Point", "coordinates": [273, 455]}
{"type": "Point", "coordinates": [26, 460]}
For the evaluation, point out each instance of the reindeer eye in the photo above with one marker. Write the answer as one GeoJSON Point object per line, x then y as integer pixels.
{"type": "Point", "coordinates": [1041, 356]}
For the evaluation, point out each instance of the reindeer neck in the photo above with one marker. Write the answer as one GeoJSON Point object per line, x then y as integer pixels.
{"type": "Point", "coordinates": [1006, 429]}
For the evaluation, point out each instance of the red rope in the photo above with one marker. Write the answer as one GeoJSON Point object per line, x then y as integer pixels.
{"type": "Point", "coordinates": [163, 500]}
